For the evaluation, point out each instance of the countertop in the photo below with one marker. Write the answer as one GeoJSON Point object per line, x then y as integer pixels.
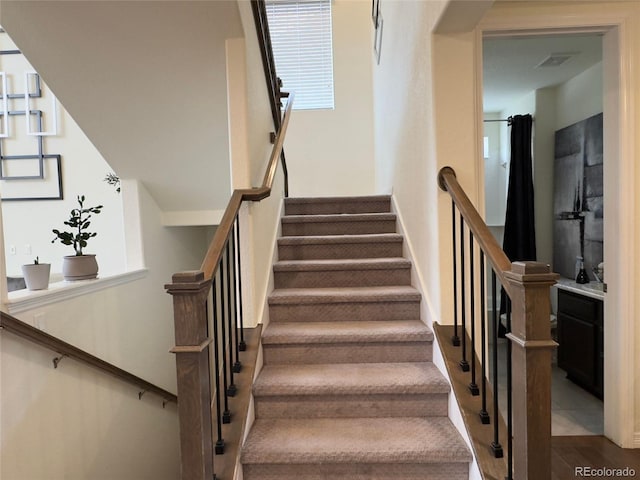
{"type": "Point", "coordinates": [592, 289]}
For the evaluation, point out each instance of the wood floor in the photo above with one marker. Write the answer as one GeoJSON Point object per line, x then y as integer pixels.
{"type": "Point", "coordinates": [567, 452]}
{"type": "Point", "coordinates": [595, 452]}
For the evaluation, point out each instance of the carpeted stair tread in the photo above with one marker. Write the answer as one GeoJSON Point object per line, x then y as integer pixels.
{"type": "Point", "coordinates": [350, 379]}
{"type": "Point", "coordinates": [341, 239]}
{"type": "Point", "coordinates": [318, 205]}
{"type": "Point", "coordinates": [360, 198]}
{"type": "Point", "coordinates": [340, 217]}
{"type": "Point", "coordinates": [359, 331]}
{"type": "Point", "coordinates": [341, 264]}
{"type": "Point", "coordinates": [348, 388]}
{"type": "Point", "coordinates": [300, 296]}
{"type": "Point", "coordinates": [345, 245]}
{"type": "Point", "coordinates": [354, 440]}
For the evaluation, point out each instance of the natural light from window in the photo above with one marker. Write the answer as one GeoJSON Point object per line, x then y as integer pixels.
{"type": "Point", "coordinates": [303, 51]}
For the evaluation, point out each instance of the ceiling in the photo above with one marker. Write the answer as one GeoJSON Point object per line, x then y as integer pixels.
{"type": "Point", "coordinates": [509, 65]}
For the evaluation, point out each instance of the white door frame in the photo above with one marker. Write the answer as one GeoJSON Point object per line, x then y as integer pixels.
{"type": "Point", "coordinates": [619, 210]}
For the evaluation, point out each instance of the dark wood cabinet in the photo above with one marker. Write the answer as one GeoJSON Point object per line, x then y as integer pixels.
{"type": "Point", "coordinates": [581, 340]}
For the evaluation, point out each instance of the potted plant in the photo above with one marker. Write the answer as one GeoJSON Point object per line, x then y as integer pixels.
{"type": "Point", "coordinates": [80, 266]}
{"type": "Point", "coordinates": [36, 275]}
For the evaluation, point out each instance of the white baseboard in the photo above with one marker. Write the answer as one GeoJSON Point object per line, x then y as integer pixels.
{"type": "Point", "coordinates": [417, 279]}
{"type": "Point", "coordinates": [428, 316]}
{"type": "Point", "coordinates": [263, 313]}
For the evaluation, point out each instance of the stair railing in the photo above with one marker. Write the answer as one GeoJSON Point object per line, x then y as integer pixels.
{"type": "Point", "coordinates": [527, 324]}
{"type": "Point", "coordinates": [273, 82]}
{"type": "Point", "coordinates": [207, 360]}
{"type": "Point", "coordinates": [66, 350]}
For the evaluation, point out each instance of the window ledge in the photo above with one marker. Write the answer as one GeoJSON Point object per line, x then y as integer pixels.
{"type": "Point", "coordinates": [22, 300]}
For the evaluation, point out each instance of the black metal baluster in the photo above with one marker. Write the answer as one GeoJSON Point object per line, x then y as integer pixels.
{"type": "Point", "coordinates": [496, 448]}
{"type": "Point", "coordinates": [242, 346]}
{"type": "Point", "coordinates": [455, 340]}
{"type": "Point", "coordinates": [231, 390]}
{"type": "Point", "coordinates": [237, 366]}
{"type": "Point", "coordinates": [226, 416]}
{"type": "Point", "coordinates": [509, 399]}
{"type": "Point", "coordinates": [484, 415]}
{"type": "Point", "coordinates": [219, 447]}
{"type": "Point", "coordinates": [473, 386]}
{"type": "Point", "coordinates": [464, 365]}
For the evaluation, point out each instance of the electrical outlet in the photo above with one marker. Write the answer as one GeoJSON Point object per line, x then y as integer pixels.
{"type": "Point", "coordinates": [12, 249]}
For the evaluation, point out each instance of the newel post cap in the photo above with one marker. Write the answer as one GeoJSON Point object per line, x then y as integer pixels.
{"type": "Point", "coordinates": [187, 282]}
{"type": "Point", "coordinates": [445, 171]}
{"type": "Point", "coordinates": [531, 272]}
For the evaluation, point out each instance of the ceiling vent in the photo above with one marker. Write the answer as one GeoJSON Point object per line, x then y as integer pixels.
{"type": "Point", "coordinates": [556, 59]}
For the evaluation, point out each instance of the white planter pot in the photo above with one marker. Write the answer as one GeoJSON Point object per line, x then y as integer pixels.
{"type": "Point", "coordinates": [79, 267]}
{"type": "Point", "coordinates": [36, 276]}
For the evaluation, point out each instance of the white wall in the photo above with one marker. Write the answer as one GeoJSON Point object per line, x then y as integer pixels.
{"type": "Point", "coordinates": [72, 423]}
{"type": "Point", "coordinates": [330, 152]}
{"type": "Point", "coordinates": [28, 224]}
{"type": "Point", "coordinates": [146, 81]}
{"type": "Point", "coordinates": [580, 98]}
{"type": "Point", "coordinates": [81, 423]}
{"type": "Point", "coordinates": [257, 118]}
{"type": "Point", "coordinates": [405, 150]}
{"type": "Point", "coordinates": [543, 171]}
{"type": "Point", "coordinates": [495, 172]}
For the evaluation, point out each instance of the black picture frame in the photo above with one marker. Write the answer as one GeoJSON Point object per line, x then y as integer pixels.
{"type": "Point", "coordinates": [56, 182]}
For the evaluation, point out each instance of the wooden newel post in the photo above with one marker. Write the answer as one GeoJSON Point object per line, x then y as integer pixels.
{"type": "Point", "coordinates": [532, 348]}
{"type": "Point", "coordinates": [190, 291]}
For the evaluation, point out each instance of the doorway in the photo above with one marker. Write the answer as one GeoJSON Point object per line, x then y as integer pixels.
{"type": "Point", "coordinates": [619, 236]}
{"type": "Point", "coordinates": [542, 76]}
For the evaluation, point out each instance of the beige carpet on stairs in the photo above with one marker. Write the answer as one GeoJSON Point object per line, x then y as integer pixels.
{"type": "Point", "coordinates": [348, 390]}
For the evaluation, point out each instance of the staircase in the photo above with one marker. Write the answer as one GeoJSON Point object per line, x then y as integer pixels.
{"type": "Point", "coordinates": [348, 389]}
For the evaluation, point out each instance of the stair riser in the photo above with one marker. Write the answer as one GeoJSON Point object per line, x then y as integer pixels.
{"type": "Point", "coordinates": [330, 208]}
{"type": "Point", "coordinates": [338, 312]}
{"type": "Point", "coordinates": [343, 278]}
{"type": "Point", "coordinates": [351, 471]}
{"type": "Point", "coordinates": [348, 353]}
{"type": "Point", "coordinates": [296, 229]}
{"type": "Point", "coordinates": [339, 251]}
{"type": "Point", "coordinates": [351, 406]}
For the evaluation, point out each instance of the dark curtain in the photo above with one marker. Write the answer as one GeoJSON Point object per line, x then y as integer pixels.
{"type": "Point", "coordinates": [519, 226]}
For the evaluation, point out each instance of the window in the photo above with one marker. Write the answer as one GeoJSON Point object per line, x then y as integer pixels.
{"type": "Point", "coordinates": [301, 39]}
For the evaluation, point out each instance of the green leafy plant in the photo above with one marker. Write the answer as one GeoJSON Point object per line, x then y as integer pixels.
{"type": "Point", "coordinates": [79, 221]}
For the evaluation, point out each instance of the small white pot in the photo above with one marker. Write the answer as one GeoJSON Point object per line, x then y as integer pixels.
{"type": "Point", "coordinates": [36, 276]}
{"type": "Point", "coordinates": [79, 267]}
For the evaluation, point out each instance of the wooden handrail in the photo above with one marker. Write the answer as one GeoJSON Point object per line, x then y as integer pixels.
{"type": "Point", "coordinates": [449, 183]}
{"type": "Point", "coordinates": [26, 331]}
{"type": "Point", "coordinates": [216, 247]}
{"type": "Point", "coordinates": [273, 82]}
{"type": "Point", "coordinates": [196, 304]}
{"type": "Point", "coordinates": [528, 330]}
